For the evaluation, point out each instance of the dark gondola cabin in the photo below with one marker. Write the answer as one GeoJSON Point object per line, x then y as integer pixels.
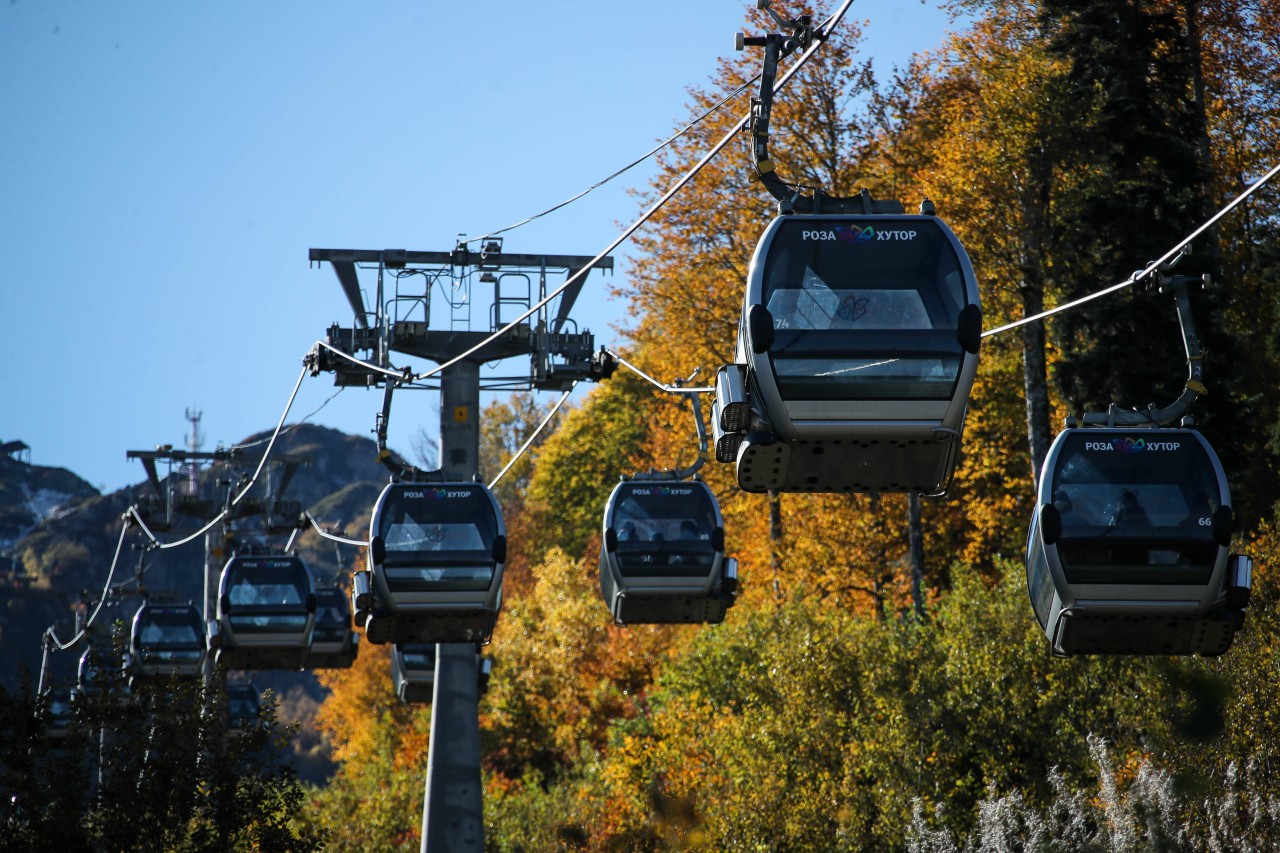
{"type": "Point", "coordinates": [166, 640]}
{"type": "Point", "coordinates": [59, 712]}
{"type": "Point", "coordinates": [89, 674]}
{"type": "Point", "coordinates": [244, 707]}
{"type": "Point", "coordinates": [266, 612]}
{"type": "Point", "coordinates": [662, 559]}
{"type": "Point", "coordinates": [413, 671]}
{"type": "Point", "coordinates": [436, 553]}
{"type": "Point", "coordinates": [1128, 551]}
{"type": "Point", "coordinates": [334, 645]}
{"type": "Point", "coordinates": [857, 350]}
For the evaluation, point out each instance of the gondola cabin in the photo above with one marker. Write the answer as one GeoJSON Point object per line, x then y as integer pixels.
{"type": "Point", "coordinates": [857, 351]}
{"type": "Point", "coordinates": [1128, 550]}
{"type": "Point", "coordinates": [59, 713]}
{"type": "Point", "coordinates": [93, 675]}
{"type": "Point", "coordinates": [266, 612]}
{"type": "Point", "coordinates": [413, 671]}
{"type": "Point", "coordinates": [662, 558]}
{"type": "Point", "coordinates": [244, 707]}
{"type": "Point", "coordinates": [334, 645]}
{"type": "Point", "coordinates": [436, 554]}
{"type": "Point", "coordinates": [166, 640]}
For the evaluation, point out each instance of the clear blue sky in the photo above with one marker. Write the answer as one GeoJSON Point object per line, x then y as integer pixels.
{"type": "Point", "coordinates": [164, 168]}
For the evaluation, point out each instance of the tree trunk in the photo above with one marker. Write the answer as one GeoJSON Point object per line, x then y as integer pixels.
{"type": "Point", "coordinates": [775, 542]}
{"type": "Point", "coordinates": [1034, 201]}
{"type": "Point", "coordinates": [915, 538]}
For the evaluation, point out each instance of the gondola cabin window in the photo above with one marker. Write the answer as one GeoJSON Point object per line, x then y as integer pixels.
{"type": "Point", "coordinates": [170, 638]}
{"type": "Point", "coordinates": [1135, 510]}
{"type": "Point", "coordinates": [868, 311]}
{"type": "Point", "coordinates": [252, 594]}
{"type": "Point", "coordinates": [666, 528]}
{"type": "Point", "coordinates": [439, 539]}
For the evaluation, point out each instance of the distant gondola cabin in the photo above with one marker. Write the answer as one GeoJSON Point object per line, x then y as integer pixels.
{"type": "Point", "coordinates": [662, 559]}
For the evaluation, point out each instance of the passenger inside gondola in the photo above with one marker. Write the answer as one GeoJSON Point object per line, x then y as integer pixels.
{"type": "Point", "coordinates": [664, 527]}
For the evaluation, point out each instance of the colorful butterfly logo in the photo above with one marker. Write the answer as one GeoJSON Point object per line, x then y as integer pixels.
{"type": "Point", "coordinates": [854, 234]}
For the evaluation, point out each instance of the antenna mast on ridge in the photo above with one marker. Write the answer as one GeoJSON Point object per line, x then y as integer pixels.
{"type": "Point", "coordinates": [194, 442]}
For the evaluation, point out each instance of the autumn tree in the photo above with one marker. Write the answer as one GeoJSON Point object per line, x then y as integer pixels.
{"type": "Point", "coordinates": [815, 715]}
{"type": "Point", "coordinates": [1238, 48]}
{"type": "Point", "coordinates": [374, 801]}
{"type": "Point", "coordinates": [155, 768]}
{"type": "Point", "coordinates": [975, 126]}
{"type": "Point", "coordinates": [686, 295]}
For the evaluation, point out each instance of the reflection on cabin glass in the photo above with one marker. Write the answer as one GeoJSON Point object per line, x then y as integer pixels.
{"type": "Point", "coordinates": [861, 315]}
{"type": "Point", "coordinates": [438, 539]}
{"type": "Point", "coordinates": [664, 529]}
{"type": "Point", "coordinates": [1135, 510]}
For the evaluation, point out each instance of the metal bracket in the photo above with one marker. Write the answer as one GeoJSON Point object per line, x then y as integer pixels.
{"type": "Point", "coordinates": [1194, 387]}
{"type": "Point", "coordinates": [790, 199]}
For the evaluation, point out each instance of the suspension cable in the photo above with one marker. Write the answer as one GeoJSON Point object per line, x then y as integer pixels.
{"type": "Point", "coordinates": [164, 546]}
{"type": "Point", "coordinates": [726, 99]}
{"type": "Point", "coordinates": [1150, 268]}
{"type": "Point", "coordinates": [551, 414]}
{"type": "Point", "coordinates": [57, 645]}
{"type": "Point", "coordinates": [291, 428]}
{"type": "Point", "coordinates": [394, 374]}
{"type": "Point", "coordinates": [266, 454]}
{"type": "Point", "coordinates": [332, 537]}
{"type": "Point", "coordinates": [832, 22]}
{"type": "Point", "coordinates": [671, 389]}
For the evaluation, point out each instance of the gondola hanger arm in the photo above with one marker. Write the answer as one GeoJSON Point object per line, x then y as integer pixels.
{"type": "Point", "coordinates": [1178, 410]}
{"type": "Point", "coordinates": [677, 386]}
{"type": "Point", "coordinates": [776, 47]}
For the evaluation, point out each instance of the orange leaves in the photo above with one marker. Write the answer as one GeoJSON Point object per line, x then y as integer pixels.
{"type": "Point", "coordinates": [348, 718]}
{"type": "Point", "coordinates": [563, 671]}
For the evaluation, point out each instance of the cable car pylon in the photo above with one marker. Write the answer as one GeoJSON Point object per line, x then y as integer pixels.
{"type": "Point", "coordinates": [435, 572]}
